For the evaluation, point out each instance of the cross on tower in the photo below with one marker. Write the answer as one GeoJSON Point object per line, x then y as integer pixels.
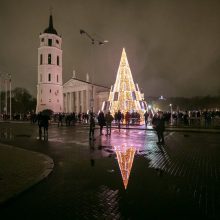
{"type": "Point", "coordinates": [51, 10]}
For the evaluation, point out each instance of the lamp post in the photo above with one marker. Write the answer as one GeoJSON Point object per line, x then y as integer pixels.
{"type": "Point", "coordinates": [0, 95]}
{"type": "Point", "coordinates": [171, 114]}
{"type": "Point", "coordinates": [6, 97]}
{"type": "Point", "coordinates": [9, 76]}
{"type": "Point", "coordinates": [93, 41]}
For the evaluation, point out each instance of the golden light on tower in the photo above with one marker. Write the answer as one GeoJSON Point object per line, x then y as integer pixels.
{"type": "Point", "coordinates": [125, 157]}
{"type": "Point", "coordinates": [125, 95]}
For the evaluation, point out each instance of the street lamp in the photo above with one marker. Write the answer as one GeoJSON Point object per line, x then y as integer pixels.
{"type": "Point", "coordinates": [93, 42]}
{"type": "Point", "coordinates": [171, 114]}
{"type": "Point", "coordinates": [0, 94]}
{"type": "Point", "coordinates": [9, 76]}
{"type": "Point", "coordinates": [6, 96]}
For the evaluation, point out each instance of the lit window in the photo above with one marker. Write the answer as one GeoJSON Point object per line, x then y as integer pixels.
{"type": "Point", "coordinates": [49, 77]}
{"type": "Point", "coordinates": [41, 59]}
{"type": "Point", "coordinates": [49, 42]}
{"type": "Point", "coordinates": [49, 58]}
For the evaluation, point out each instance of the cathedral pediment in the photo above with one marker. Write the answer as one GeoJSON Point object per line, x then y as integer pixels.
{"type": "Point", "coordinates": [74, 82]}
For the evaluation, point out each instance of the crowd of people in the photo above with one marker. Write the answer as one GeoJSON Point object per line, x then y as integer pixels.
{"type": "Point", "coordinates": [158, 120]}
{"type": "Point", "coordinates": [205, 118]}
{"type": "Point", "coordinates": [195, 118]}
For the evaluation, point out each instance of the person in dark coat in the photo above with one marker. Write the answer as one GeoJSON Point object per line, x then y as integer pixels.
{"type": "Point", "coordinates": [60, 120]}
{"type": "Point", "coordinates": [159, 126]}
{"type": "Point", "coordinates": [40, 124]}
{"type": "Point", "coordinates": [91, 127]}
{"type": "Point", "coordinates": [43, 122]}
{"type": "Point", "coordinates": [146, 115]}
{"type": "Point", "coordinates": [101, 121]}
{"type": "Point", "coordinates": [46, 119]}
{"type": "Point", "coordinates": [118, 119]}
{"type": "Point", "coordinates": [109, 118]}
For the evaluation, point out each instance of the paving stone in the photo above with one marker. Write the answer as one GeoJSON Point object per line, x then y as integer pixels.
{"type": "Point", "coordinates": [179, 180]}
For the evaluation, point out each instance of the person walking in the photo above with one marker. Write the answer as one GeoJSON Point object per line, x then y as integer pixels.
{"type": "Point", "coordinates": [159, 126]}
{"type": "Point", "coordinates": [60, 119]}
{"type": "Point", "coordinates": [127, 119]}
{"type": "Point", "coordinates": [91, 127]}
{"type": "Point", "coordinates": [43, 122]}
{"type": "Point", "coordinates": [46, 119]}
{"type": "Point", "coordinates": [101, 121]}
{"type": "Point", "coordinates": [118, 119]}
{"type": "Point", "coordinates": [40, 124]}
{"type": "Point", "coordinates": [108, 118]}
{"type": "Point", "coordinates": [146, 115]}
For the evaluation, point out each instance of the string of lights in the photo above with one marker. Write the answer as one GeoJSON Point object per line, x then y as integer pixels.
{"type": "Point", "coordinates": [124, 95]}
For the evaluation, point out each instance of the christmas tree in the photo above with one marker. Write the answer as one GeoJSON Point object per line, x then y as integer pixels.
{"type": "Point", "coordinates": [125, 95]}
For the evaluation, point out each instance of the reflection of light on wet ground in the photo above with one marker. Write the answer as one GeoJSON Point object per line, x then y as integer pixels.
{"type": "Point", "coordinates": [87, 183]}
{"type": "Point", "coordinates": [143, 141]}
{"type": "Point", "coordinates": [125, 157]}
{"type": "Point", "coordinates": [6, 133]}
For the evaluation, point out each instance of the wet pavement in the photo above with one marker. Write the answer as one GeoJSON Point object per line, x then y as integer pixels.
{"type": "Point", "coordinates": [122, 176]}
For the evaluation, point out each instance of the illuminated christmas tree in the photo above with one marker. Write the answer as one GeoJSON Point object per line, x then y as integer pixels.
{"type": "Point", "coordinates": [124, 94]}
{"type": "Point", "coordinates": [125, 157]}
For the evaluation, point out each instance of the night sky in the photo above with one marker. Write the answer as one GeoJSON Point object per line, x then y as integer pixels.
{"type": "Point", "coordinates": [173, 46]}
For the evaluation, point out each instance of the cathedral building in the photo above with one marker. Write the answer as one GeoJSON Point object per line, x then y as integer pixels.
{"type": "Point", "coordinates": [76, 95]}
{"type": "Point", "coordinates": [83, 96]}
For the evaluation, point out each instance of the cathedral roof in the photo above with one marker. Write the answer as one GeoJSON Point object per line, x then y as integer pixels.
{"type": "Point", "coordinates": [50, 29]}
{"type": "Point", "coordinates": [83, 81]}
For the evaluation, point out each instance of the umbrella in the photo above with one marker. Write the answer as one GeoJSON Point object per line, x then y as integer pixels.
{"type": "Point", "coordinates": [47, 112]}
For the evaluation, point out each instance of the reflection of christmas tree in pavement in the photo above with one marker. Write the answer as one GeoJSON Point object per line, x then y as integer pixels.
{"type": "Point", "coordinates": [125, 157]}
{"type": "Point", "coordinates": [124, 94]}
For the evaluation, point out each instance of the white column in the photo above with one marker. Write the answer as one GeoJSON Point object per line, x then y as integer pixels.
{"type": "Point", "coordinates": [68, 102]}
{"type": "Point", "coordinates": [94, 100]}
{"type": "Point", "coordinates": [71, 102]}
{"type": "Point", "coordinates": [82, 100]}
{"type": "Point", "coordinates": [87, 99]}
{"type": "Point", "coordinates": [74, 101]}
{"type": "Point", "coordinates": [65, 106]}
{"type": "Point", "coordinates": [77, 101]}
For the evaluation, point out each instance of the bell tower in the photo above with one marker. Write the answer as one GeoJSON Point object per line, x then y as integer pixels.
{"type": "Point", "coordinates": [50, 82]}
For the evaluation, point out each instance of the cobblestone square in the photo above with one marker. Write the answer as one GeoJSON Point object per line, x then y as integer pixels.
{"type": "Point", "coordinates": [104, 180]}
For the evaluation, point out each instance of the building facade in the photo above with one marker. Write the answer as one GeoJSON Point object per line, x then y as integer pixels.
{"type": "Point", "coordinates": [83, 96]}
{"type": "Point", "coordinates": [50, 83]}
